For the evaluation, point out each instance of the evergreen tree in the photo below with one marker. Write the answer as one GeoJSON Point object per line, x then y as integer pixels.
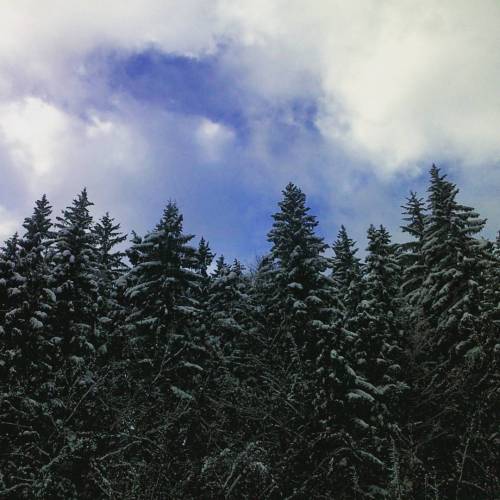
{"type": "Point", "coordinates": [346, 272]}
{"type": "Point", "coordinates": [205, 257]}
{"type": "Point", "coordinates": [110, 268]}
{"type": "Point", "coordinates": [162, 297]}
{"type": "Point", "coordinates": [378, 346]}
{"type": "Point", "coordinates": [452, 257]}
{"type": "Point", "coordinates": [227, 308]}
{"type": "Point", "coordinates": [168, 354]}
{"type": "Point", "coordinates": [303, 292]}
{"type": "Point", "coordinates": [451, 300]}
{"type": "Point", "coordinates": [347, 275]}
{"type": "Point", "coordinates": [27, 322]}
{"type": "Point", "coordinates": [143, 374]}
{"type": "Point", "coordinates": [75, 278]}
{"type": "Point", "coordinates": [412, 261]}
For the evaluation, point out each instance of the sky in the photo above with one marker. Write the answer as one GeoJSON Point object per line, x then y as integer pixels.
{"type": "Point", "coordinates": [219, 104]}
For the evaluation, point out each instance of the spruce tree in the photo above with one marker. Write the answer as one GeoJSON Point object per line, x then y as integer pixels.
{"type": "Point", "coordinates": [303, 295]}
{"type": "Point", "coordinates": [110, 269]}
{"type": "Point", "coordinates": [454, 335]}
{"type": "Point", "coordinates": [227, 309]}
{"type": "Point", "coordinates": [346, 272]}
{"type": "Point", "coordinates": [378, 346]}
{"type": "Point", "coordinates": [452, 256]}
{"type": "Point", "coordinates": [75, 278]}
{"type": "Point", "coordinates": [167, 351]}
{"type": "Point", "coordinates": [412, 261]}
{"type": "Point", "coordinates": [163, 295]}
{"type": "Point", "coordinates": [347, 275]}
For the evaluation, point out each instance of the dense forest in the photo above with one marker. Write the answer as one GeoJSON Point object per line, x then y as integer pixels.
{"type": "Point", "coordinates": [163, 372]}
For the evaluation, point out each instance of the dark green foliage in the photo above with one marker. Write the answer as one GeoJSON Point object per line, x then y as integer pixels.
{"type": "Point", "coordinates": [143, 374]}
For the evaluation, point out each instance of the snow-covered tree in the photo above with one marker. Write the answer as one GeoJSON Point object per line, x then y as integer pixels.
{"type": "Point", "coordinates": [163, 296]}
{"type": "Point", "coordinates": [303, 293]}
{"type": "Point", "coordinates": [227, 307]}
{"type": "Point", "coordinates": [74, 318]}
{"type": "Point", "coordinates": [378, 346]}
{"type": "Point", "coordinates": [411, 259]}
{"type": "Point", "coordinates": [205, 257]}
{"type": "Point", "coordinates": [454, 261]}
{"type": "Point", "coordinates": [347, 275]}
{"type": "Point", "coordinates": [110, 268]}
{"type": "Point", "coordinates": [26, 324]}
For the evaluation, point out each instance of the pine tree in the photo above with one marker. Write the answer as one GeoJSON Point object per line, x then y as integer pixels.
{"type": "Point", "coordinates": [227, 309]}
{"type": "Point", "coordinates": [168, 354]}
{"type": "Point", "coordinates": [347, 275]}
{"type": "Point", "coordinates": [411, 259]}
{"type": "Point", "coordinates": [75, 277]}
{"type": "Point", "coordinates": [378, 347]}
{"type": "Point", "coordinates": [34, 293]}
{"type": "Point", "coordinates": [454, 262]}
{"type": "Point", "coordinates": [205, 257]}
{"type": "Point", "coordinates": [303, 293]}
{"type": "Point", "coordinates": [162, 297]}
{"type": "Point", "coordinates": [110, 268]}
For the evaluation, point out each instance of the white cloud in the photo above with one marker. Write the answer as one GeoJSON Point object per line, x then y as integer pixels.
{"type": "Point", "coordinates": [33, 130]}
{"type": "Point", "coordinates": [398, 81]}
{"type": "Point", "coordinates": [48, 145]}
{"type": "Point", "coordinates": [213, 138]}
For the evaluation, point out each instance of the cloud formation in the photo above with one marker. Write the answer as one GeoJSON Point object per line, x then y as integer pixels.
{"type": "Point", "coordinates": [390, 86]}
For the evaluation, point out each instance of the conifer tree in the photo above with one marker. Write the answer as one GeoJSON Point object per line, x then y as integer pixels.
{"type": "Point", "coordinates": [347, 275]}
{"type": "Point", "coordinates": [35, 295]}
{"type": "Point", "coordinates": [454, 262]}
{"type": "Point", "coordinates": [165, 278]}
{"type": "Point", "coordinates": [308, 377]}
{"type": "Point", "coordinates": [75, 277]}
{"type": "Point", "coordinates": [411, 259]}
{"type": "Point", "coordinates": [303, 293]}
{"type": "Point", "coordinates": [227, 307]}
{"type": "Point", "coordinates": [205, 257]}
{"type": "Point", "coordinates": [10, 280]}
{"type": "Point", "coordinates": [378, 347]}
{"type": "Point", "coordinates": [346, 272]}
{"type": "Point", "coordinates": [167, 351]}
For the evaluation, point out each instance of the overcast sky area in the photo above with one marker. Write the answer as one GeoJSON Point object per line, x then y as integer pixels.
{"type": "Point", "coordinates": [218, 104]}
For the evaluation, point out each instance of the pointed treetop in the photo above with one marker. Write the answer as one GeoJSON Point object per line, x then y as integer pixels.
{"type": "Point", "coordinates": [172, 220]}
{"type": "Point", "coordinates": [38, 225]}
{"type": "Point", "coordinates": [107, 233]}
{"type": "Point", "coordinates": [11, 246]}
{"type": "Point", "coordinates": [414, 215]}
{"type": "Point", "coordinates": [205, 256]}
{"type": "Point", "coordinates": [221, 267]}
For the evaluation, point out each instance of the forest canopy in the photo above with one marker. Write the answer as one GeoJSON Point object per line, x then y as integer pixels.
{"type": "Point", "coordinates": [165, 371]}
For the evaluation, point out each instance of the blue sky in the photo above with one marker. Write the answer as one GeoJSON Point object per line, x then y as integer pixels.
{"type": "Point", "coordinates": [218, 105]}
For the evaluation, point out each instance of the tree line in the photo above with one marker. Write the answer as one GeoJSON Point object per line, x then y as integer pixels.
{"type": "Point", "coordinates": [157, 373]}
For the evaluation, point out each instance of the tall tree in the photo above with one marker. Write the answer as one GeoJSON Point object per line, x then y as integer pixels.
{"type": "Point", "coordinates": [303, 292]}
{"type": "Point", "coordinates": [453, 260]}
{"type": "Point", "coordinates": [75, 277]}
{"type": "Point", "coordinates": [412, 261]}
{"type": "Point", "coordinates": [379, 344]}
{"type": "Point", "coordinates": [111, 286]}
{"type": "Point", "coordinates": [168, 354]}
{"type": "Point", "coordinates": [347, 275]}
